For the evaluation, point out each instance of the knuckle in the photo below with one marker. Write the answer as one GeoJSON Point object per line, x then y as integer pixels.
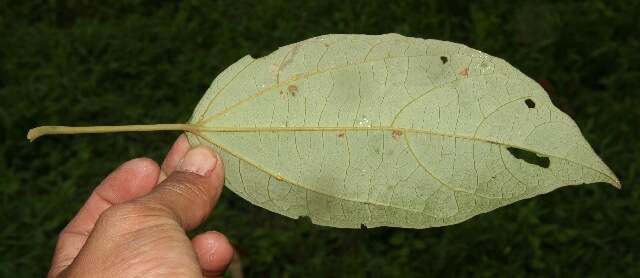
{"type": "Point", "coordinates": [130, 214]}
{"type": "Point", "coordinates": [136, 217]}
{"type": "Point", "coordinates": [192, 189]}
{"type": "Point", "coordinates": [114, 215]}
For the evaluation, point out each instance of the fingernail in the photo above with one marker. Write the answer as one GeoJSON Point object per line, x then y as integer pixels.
{"type": "Point", "coordinates": [199, 160]}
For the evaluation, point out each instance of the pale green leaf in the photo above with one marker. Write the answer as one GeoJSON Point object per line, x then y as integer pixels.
{"type": "Point", "coordinates": [387, 130]}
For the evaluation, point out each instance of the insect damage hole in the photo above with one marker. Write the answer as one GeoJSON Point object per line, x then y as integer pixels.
{"type": "Point", "coordinates": [530, 103]}
{"type": "Point", "coordinates": [444, 59]}
{"type": "Point", "coordinates": [530, 157]}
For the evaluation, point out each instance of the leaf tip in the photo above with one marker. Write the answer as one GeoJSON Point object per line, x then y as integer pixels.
{"type": "Point", "coordinates": [616, 183]}
{"type": "Point", "coordinates": [613, 179]}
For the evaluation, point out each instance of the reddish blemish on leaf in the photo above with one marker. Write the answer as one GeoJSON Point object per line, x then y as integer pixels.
{"type": "Point", "coordinates": [290, 57]}
{"type": "Point", "coordinates": [396, 133]}
{"type": "Point", "coordinates": [464, 72]}
{"type": "Point", "coordinates": [341, 134]}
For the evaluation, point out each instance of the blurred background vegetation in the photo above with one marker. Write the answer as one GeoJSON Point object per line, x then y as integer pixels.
{"type": "Point", "coordinates": [89, 62]}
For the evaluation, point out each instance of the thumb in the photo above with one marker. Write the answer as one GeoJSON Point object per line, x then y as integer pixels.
{"type": "Point", "coordinates": [189, 193]}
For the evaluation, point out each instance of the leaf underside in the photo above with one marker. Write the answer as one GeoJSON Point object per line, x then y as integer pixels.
{"type": "Point", "coordinates": [387, 130]}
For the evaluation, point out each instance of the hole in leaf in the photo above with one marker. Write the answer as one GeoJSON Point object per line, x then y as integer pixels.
{"type": "Point", "coordinates": [530, 103]}
{"type": "Point", "coordinates": [444, 59]}
{"type": "Point", "coordinates": [305, 218]}
{"type": "Point", "coordinates": [530, 157]}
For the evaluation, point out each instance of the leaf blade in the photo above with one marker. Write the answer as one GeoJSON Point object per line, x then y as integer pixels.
{"type": "Point", "coordinates": [382, 131]}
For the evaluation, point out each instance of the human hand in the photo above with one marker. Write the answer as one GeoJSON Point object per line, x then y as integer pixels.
{"type": "Point", "coordinates": [134, 222]}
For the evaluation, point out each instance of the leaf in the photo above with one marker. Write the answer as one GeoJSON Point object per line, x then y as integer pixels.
{"type": "Point", "coordinates": [386, 130]}
{"type": "Point", "coordinates": [354, 130]}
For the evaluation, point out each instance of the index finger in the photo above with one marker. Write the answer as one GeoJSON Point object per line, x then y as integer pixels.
{"type": "Point", "coordinates": [175, 154]}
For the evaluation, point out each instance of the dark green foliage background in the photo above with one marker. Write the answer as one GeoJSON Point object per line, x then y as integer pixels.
{"type": "Point", "coordinates": [83, 63]}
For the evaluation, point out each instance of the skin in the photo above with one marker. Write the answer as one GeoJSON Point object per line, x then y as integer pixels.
{"type": "Point", "coordinates": [134, 223]}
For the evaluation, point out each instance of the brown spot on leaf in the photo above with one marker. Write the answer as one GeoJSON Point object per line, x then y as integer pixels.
{"type": "Point", "coordinates": [396, 133]}
{"type": "Point", "coordinates": [444, 59]}
{"type": "Point", "coordinates": [464, 72]}
{"type": "Point", "coordinates": [341, 134]}
{"type": "Point", "coordinates": [293, 90]}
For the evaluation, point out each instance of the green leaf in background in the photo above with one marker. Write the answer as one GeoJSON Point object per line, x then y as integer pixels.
{"type": "Point", "coordinates": [353, 130]}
